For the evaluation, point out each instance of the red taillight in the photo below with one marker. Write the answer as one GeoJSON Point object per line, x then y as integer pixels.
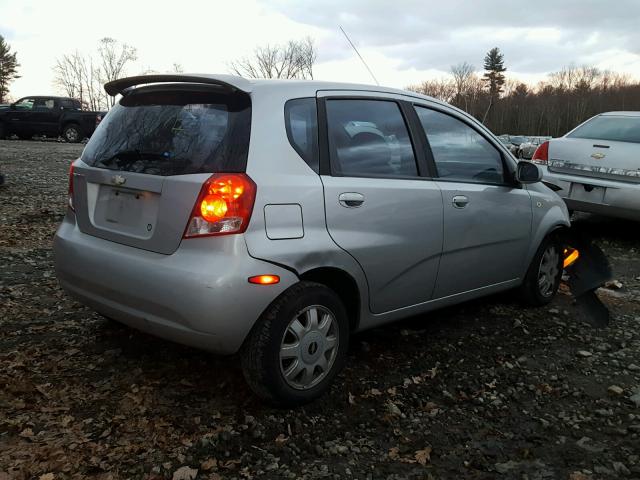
{"type": "Point", "coordinates": [70, 195]}
{"type": "Point", "coordinates": [223, 207]}
{"type": "Point", "coordinates": [541, 155]}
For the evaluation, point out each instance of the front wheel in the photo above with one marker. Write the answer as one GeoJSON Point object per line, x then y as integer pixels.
{"type": "Point", "coordinates": [545, 272]}
{"type": "Point", "coordinates": [72, 133]}
{"type": "Point", "coordinates": [298, 345]}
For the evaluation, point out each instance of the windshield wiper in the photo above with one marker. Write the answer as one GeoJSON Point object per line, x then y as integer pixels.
{"type": "Point", "coordinates": [125, 158]}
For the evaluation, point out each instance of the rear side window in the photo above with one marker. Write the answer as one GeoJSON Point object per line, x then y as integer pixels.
{"type": "Point", "coordinates": [606, 127]}
{"type": "Point", "coordinates": [301, 121]}
{"type": "Point", "coordinates": [173, 132]}
{"type": "Point", "coordinates": [70, 104]}
{"type": "Point", "coordinates": [369, 138]}
{"type": "Point", "coordinates": [460, 153]}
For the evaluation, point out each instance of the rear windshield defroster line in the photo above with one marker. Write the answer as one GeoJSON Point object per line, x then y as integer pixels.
{"type": "Point", "coordinates": [173, 132]}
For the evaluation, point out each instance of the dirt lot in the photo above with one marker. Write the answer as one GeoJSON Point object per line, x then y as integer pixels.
{"type": "Point", "coordinates": [483, 390]}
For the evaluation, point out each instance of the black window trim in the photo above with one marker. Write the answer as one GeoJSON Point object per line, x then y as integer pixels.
{"type": "Point", "coordinates": [287, 126]}
{"type": "Point", "coordinates": [508, 171]}
{"type": "Point", "coordinates": [326, 166]}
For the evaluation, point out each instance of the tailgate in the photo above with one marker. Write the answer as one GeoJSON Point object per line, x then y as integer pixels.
{"type": "Point", "coordinates": [140, 174]}
{"type": "Point", "coordinates": [143, 211]}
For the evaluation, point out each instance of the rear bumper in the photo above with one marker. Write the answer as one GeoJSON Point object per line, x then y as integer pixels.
{"type": "Point", "coordinates": [198, 296]}
{"type": "Point", "coordinates": [610, 198]}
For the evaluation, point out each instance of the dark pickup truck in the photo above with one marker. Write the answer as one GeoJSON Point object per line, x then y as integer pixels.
{"type": "Point", "coordinates": [48, 116]}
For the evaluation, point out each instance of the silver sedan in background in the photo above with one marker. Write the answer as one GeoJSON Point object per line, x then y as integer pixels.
{"type": "Point", "coordinates": [597, 165]}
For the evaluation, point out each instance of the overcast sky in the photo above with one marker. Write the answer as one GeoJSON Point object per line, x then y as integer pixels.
{"type": "Point", "coordinates": [404, 41]}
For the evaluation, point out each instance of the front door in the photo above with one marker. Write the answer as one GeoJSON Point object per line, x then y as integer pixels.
{"type": "Point", "coordinates": [487, 217]}
{"type": "Point", "coordinates": [19, 117]}
{"type": "Point", "coordinates": [378, 208]}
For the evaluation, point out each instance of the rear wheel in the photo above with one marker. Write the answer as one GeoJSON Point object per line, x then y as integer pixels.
{"type": "Point", "coordinates": [298, 346]}
{"type": "Point", "coordinates": [72, 133]}
{"type": "Point", "coordinates": [3, 132]}
{"type": "Point", "coordinates": [545, 272]}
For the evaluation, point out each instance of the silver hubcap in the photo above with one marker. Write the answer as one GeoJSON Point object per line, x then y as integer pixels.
{"type": "Point", "coordinates": [548, 271]}
{"type": "Point", "coordinates": [309, 347]}
{"type": "Point", "coordinates": [72, 134]}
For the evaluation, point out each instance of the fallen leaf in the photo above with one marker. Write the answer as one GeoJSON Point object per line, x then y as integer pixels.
{"type": "Point", "coordinates": [352, 399]}
{"type": "Point", "coordinates": [281, 439]}
{"type": "Point", "coordinates": [185, 473]}
{"type": "Point", "coordinates": [393, 453]}
{"type": "Point", "coordinates": [209, 464]}
{"type": "Point", "coordinates": [26, 433]}
{"type": "Point", "coordinates": [423, 456]}
{"type": "Point", "coordinates": [46, 476]}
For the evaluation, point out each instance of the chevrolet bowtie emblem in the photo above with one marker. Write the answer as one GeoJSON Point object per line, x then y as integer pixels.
{"type": "Point", "coordinates": [118, 180]}
{"type": "Point", "coordinates": [598, 156]}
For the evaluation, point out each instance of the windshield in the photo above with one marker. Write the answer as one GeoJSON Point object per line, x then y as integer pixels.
{"type": "Point", "coordinates": [609, 127]}
{"type": "Point", "coordinates": [173, 133]}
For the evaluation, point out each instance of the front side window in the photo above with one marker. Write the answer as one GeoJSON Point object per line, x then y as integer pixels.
{"type": "Point", "coordinates": [460, 153]}
{"type": "Point", "coordinates": [25, 104]}
{"type": "Point", "coordinates": [369, 138]}
{"type": "Point", "coordinates": [609, 127]}
{"type": "Point", "coordinates": [301, 121]}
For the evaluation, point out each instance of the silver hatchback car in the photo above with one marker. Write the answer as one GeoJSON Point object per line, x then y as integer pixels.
{"type": "Point", "coordinates": [275, 218]}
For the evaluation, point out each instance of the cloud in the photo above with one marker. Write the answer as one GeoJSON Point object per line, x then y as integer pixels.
{"type": "Point", "coordinates": [536, 37]}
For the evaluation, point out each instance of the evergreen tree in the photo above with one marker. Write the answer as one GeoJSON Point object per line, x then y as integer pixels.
{"type": "Point", "coordinates": [494, 76]}
{"type": "Point", "coordinates": [8, 68]}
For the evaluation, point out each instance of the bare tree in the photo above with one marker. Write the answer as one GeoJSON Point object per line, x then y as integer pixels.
{"type": "Point", "coordinates": [294, 59]}
{"type": "Point", "coordinates": [82, 76]}
{"type": "Point", "coordinates": [114, 57]}
{"type": "Point", "coordinates": [443, 89]}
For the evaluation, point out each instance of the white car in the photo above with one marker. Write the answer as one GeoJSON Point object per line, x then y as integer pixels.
{"type": "Point", "coordinates": [597, 165]}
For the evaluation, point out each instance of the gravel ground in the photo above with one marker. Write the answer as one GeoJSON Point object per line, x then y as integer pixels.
{"type": "Point", "coordinates": [483, 390]}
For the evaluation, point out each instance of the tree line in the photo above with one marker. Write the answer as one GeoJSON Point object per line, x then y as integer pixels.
{"type": "Point", "coordinates": [553, 107]}
{"type": "Point", "coordinates": [505, 105]}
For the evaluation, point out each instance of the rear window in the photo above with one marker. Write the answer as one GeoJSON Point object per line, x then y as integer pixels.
{"type": "Point", "coordinates": [301, 120]}
{"type": "Point", "coordinates": [605, 127]}
{"type": "Point", "coordinates": [173, 132]}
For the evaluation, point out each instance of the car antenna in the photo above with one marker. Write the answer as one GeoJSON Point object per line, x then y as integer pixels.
{"type": "Point", "coordinates": [358, 53]}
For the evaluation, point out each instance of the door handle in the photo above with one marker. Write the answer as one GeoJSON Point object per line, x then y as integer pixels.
{"type": "Point", "coordinates": [351, 199]}
{"type": "Point", "coordinates": [460, 201]}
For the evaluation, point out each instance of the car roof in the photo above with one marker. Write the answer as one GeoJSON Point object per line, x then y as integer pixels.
{"type": "Point", "coordinates": [251, 85]}
{"type": "Point", "coordinates": [621, 114]}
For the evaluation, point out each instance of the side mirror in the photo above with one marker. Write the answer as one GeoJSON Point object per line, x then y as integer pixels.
{"type": "Point", "coordinates": [527, 172]}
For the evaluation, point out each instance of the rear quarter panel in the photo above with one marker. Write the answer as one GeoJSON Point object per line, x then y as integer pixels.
{"type": "Point", "coordinates": [283, 178]}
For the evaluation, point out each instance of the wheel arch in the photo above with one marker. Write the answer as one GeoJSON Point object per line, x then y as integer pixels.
{"type": "Point", "coordinates": [344, 285]}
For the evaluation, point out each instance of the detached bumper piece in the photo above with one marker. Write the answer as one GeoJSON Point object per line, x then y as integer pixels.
{"type": "Point", "coordinates": [588, 269]}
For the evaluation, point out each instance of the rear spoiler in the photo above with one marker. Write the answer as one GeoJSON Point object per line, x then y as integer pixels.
{"type": "Point", "coordinates": [231, 82]}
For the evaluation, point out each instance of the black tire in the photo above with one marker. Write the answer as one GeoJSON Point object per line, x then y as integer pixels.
{"type": "Point", "coordinates": [3, 132]}
{"type": "Point", "coordinates": [260, 355]}
{"type": "Point", "coordinates": [24, 136]}
{"type": "Point", "coordinates": [531, 291]}
{"type": "Point", "coordinates": [72, 133]}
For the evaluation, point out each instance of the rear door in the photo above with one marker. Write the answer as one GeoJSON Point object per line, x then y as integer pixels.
{"type": "Point", "coordinates": [487, 219]}
{"type": "Point", "coordinates": [378, 206]}
{"type": "Point", "coordinates": [44, 116]}
{"type": "Point", "coordinates": [143, 168]}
